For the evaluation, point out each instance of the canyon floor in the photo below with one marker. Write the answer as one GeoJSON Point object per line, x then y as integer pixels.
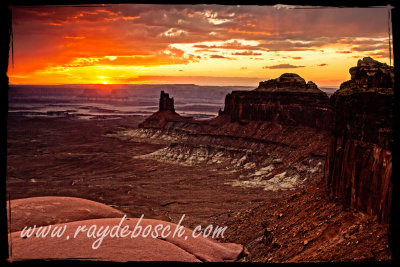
{"type": "Point", "coordinates": [80, 158]}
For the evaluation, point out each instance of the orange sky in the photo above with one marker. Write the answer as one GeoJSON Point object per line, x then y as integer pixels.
{"type": "Point", "coordinates": [200, 44]}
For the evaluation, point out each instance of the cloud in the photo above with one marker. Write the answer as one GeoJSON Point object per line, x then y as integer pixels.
{"type": "Point", "coordinates": [247, 53]}
{"type": "Point", "coordinates": [220, 56]}
{"type": "Point", "coordinates": [141, 34]}
{"type": "Point", "coordinates": [372, 47]}
{"type": "Point", "coordinates": [283, 66]}
{"type": "Point", "coordinates": [230, 44]}
{"type": "Point", "coordinates": [322, 64]}
{"type": "Point", "coordinates": [200, 80]}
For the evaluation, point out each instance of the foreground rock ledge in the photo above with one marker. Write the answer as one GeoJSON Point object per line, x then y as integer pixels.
{"type": "Point", "coordinates": [111, 249]}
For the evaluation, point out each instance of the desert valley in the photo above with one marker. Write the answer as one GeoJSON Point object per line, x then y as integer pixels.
{"type": "Point", "coordinates": [295, 175]}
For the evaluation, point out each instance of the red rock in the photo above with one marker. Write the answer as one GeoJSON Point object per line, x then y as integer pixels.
{"type": "Point", "coordinates": [52, 210]}
{"type": "Point", "coordinates": [166, 103]}
{"type": "Point", "coordinates": [166, 113]}
{"type": "Point", "coordinates": [287, 100]}
{"type": "Point", "coordinates": [123, 248]}
{"type": "Point", "coordinates": [358, 169]}
{"type": "Point", "coordinates": [117, 248]}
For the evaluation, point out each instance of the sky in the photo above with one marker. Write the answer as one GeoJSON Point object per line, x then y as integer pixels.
{"type": "Point", "coordinates": [197, 44]}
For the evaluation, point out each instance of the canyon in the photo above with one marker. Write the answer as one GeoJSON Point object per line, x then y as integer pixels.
{"type": "Point", "coordinates": [297, 176]}
{"type": "Point", "coordinates": [287, 134]}
{"type": "Point", "coordinates": [269, 153]}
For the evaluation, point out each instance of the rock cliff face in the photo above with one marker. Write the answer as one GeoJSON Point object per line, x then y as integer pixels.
{"type": "Point", "coordinates": [166, 103]}
{"type": "Point", "coordinates": [358, 169]}
{"type": "Point", "coordinates": [287, 100]}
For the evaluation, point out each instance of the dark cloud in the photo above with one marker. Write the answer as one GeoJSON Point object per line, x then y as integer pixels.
{"type": "Point", "coordinates": [283, 66]}
{"type": "Point", "coordinates": [247, 53]}
{"type": "Point", "coordinates": [219, 56]}
{"type": "Point", "coordinates": [234, 45]}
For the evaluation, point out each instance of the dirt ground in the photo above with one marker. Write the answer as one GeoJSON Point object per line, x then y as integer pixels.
{"type": "Point", "coordinates": [73, 157]}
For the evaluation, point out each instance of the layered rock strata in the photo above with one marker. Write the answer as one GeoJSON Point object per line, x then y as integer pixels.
{"type": "Point", "coordinates": [249, 148]}
{"type": "Point", "coordinates": [287, 100]}
{"type": "Point", "coordinates": [358, 169]}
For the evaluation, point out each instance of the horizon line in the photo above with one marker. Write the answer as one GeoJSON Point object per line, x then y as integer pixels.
{"type": "Point", "coordinates": [111, 84]}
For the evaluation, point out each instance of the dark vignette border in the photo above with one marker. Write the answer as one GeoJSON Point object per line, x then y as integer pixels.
{"type": "Point", "coordinates": [6, 61]}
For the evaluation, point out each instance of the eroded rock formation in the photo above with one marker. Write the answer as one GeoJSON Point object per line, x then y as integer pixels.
{"type": "Point", "coordinates": [358, 169]}
{"type": "Point", "coordinates": [166, 103]}
{"type": "Point", "coordinates": [290, 82]}
{"type": "Point", "coordinates": [286, 100]}
{"type": "Point", "coordinates": [165, 113]}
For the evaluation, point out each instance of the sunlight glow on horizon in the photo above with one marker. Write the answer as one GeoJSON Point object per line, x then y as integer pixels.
{"type": "Point", "coordinates": [199, 44]}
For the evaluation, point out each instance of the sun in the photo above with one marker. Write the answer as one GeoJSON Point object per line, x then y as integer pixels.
{"type": "Point", "coordinates": [102, 80]}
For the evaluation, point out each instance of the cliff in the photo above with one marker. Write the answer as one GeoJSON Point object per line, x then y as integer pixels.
{"type": "Point", "coordinates": [287, 100]}
{"type": "Point", "coordinates": [358, 169]}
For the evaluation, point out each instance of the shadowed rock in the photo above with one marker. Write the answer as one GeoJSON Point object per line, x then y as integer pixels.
{"type": "Point", "coordinates": [369, 75]}
{"type": "Point", "coordinates": [166, 103]}
{"type": "Point", "coordinates": [287, 100]}
{"type": "Point", "coordinates": [288, 82]}
{"type": "Point", "coordinates": [359, 163]}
